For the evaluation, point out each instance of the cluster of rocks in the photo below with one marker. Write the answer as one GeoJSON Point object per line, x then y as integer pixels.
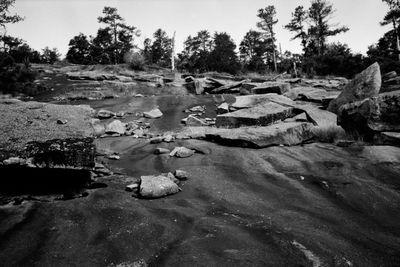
{"type": "Point", "coordinates": [194, 118]}
{"type": "Point", "coordinates": [156, 186]}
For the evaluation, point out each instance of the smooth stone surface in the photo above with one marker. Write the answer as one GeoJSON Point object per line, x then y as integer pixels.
{"type": "Point", "coordinates": [153, 114]}
{"type": "Point", "coordinates": [157, 186]}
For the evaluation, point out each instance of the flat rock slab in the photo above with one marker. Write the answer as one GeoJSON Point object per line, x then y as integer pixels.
{"type": "Point", "coordinates": [387, 138]}
{"type": "Point", "coordinates": [29, 130]}
{"type": "Point", "coordinates": [259, 115]}
{"type": "Point", "coordinates": [271, 87]}
{"type": "Point", "coordinates": [249, 101]}
{"type": "Point", "coordinates": [291, 133]}
{"type": "Point", "coordinates": [313, 94]}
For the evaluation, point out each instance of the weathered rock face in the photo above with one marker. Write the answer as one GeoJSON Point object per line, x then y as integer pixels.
{"type": "Point", "coordinates": [30, 132]}
{"type": "Point", "coordinates": [259, 115]}
{"type": "Point", "coordinates": [376, 114]}
{"type": "Point", "coordinates": [366, 84]}
{"type": "Point", "coordinates": [271, 87]}
{"type": "Point", "coordinates": [157, 186]}
{"type": "Point", "coordinates": [291, 133]}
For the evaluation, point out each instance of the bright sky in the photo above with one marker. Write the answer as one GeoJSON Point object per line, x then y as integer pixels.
{"type": "Point", "coordinates": [54, 22]}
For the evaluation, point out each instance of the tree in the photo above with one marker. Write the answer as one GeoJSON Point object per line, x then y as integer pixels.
{"type": "Point", "coordinates": [223, 56]}
{"type": "Point", "coordinates": [79, 50]}
{"type": "Point", "coordinates": [319, 14]}
{"type": "Point", "coordinates": [253, 49]}
{"type": "Point", "coordinates": [5, 16]}
{"type": "Point", "coordinates": [297, 25]}
{"type": "Point", "coordinates": [50, 56]}
{"type": "Point", "coordinates": [268, 20]}
{"type": "Point", "coordinates": [161, 48]}
{"type": "Point", "coordinates": [393, 17]}
{"type": "Point", "coordinates": [121, 34]}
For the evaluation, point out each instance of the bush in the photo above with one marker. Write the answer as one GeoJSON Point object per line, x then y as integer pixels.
{"type": "Point", "coordinates": [136, 61]}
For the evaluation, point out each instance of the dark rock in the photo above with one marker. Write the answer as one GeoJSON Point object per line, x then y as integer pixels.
{"type": "Point", "coordinates": [366, 84]}
{"type": "Point", "coordinates": [271, 87]}
{"type": "Point", "coordinates": [181, 175]}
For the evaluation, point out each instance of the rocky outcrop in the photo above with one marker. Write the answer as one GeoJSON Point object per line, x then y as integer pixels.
{"type": "Point", "coordinates": [30, 132]}
{"type": "Point", "coordinates": [372, 115]}
{"type": "Point", "coordinates": [366, 84]}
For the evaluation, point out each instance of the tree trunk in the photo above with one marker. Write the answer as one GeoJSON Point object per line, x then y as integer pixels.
{"type": "Point", "coordinates": [396, 32]}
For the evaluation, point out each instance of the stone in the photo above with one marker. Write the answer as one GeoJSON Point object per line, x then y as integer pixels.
{"type": "Point", "coordinates": [105, 114]}
{"type": "Point", "coordinates": [115, 157]}
{"type": "Point", "coordinates": [193, 121]}
{"type": "Point", "coordinates": [271, 87]}
{"type": "Point", "coordinates": [375, 114]}
{"type": "Point", "coordinates": [223, 108]}
{"type": "Point", "coordinates": [249, 101]}
{"type": "Point", "coordinates": [168, 138]}
{"type": "Point", "coordinates": [157, 186]}
{"type": "Point", "coordinates": [312, 94]}
{"type": "Point", "coordinates": [249, 86]}
{"type": "Point", "coordinates": [156, 140]}
{"type": "Point", "coordinates": [260, 115]}
{"type": "Point", "coordinates": [120, 114]}
{"type": "Point", "coordinates": [197, 109]}
{"type": "Point", "coordinates": [62, 121]}
{"type": "Point", "coordinates": [115, 127]}
{"type": "Point", "coordinates": [153, 114]}
{"type": "Point", "coordinates": [181, 175]}
{"type": "Point", "coordinates": [228, 87]}
{"type": "Point", "coordinates": [289, 134]}
{"type": "Point", "coordinates": [387, 138]}
{"type": "Point", "coordinates": [389, 75]}
{"type": "Point", "coordinates": [181, 152]}
{"type": "Point", "coordinates": [29, 131]}
{"type": "Point", "coordinates": [160, 150]}
{"type": "Point", "coordinates": [132, 187]}
{"type": "Point", "coordinates": [365, 84]}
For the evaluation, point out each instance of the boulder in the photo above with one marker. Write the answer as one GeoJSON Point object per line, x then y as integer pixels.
{"type": "Point", "coordinates": [168, 138]}
{"type": "Point", "coordinates": [259, 115]}
{"type": "Point", "coordinates": [157, 186]}
{"type": "Point", "coordinates": [181, 152]}
{"type": "Point", "coordinates": [153, 114]}
{"type": "Point", "coordinates": [228, 87]}
{"type": "Point", "coordinates": [291, 133]}
{"type": "Point", "coordinates": [249, 101]}
{"type": "Point", "coordinates": [181, 175]}
{"type": "Point", "coordinates": [105, 114]}
{"type": "Point", "coordinates": [365, 84]}
{"type": "Point", "coordinates": [115, 127]}
{"type": "Point", "coordinates": [371, 115]}
{"type": "Point", "coordinates": [271, 87]}
{"type": "Point", "coordinates": [223, 108]}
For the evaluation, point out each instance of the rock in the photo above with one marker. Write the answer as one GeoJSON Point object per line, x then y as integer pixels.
{"type": "Point", "coordinates": [181, 152]}
{"type": "Point", "coordinates": [189, 79]}
{"type": "Point", "coordinates": [249, 101]}
{"type": "Point", "coordinates": [271, 87]}
{"type": "Point", "coordinates": [168, 138]}
{"type": "Point", "coordinates": [197, 109]}
{"type": "Point", "coordinates": [156, 140]}
{"type": "Point", "coordinates": [105, 114]}
{"type": "Point", "coordinates": [228, 87]}
{"type": "Point", "coordinates": [139, 95]}
{"type": "Point", "coordinates": [389, 75]}
{"type": "Point", "coordinates": [120, 114]}
{"type": "Point", "coordinates": [387, 138]}
{"type": "Point", "coordinates": [157, 186]}
{"type": "Point", "coordinates": [371, 115]}
{"type": "Point", "coordinates": [99, 129]}
{"type": "Point", "coordinates": [259, 115]}
{"type": "Point", "coordinates": [193, 121]}
{"type": "Point", "coordinates": [223, 108]}
{"type": "Point", "coordinates": [292, 133]}
{"type": "Point", "coordinates": [115, 127]}
{"type": "Point", "coordinates": [153, 114]}
{"type": "Point", "coordinates": [115, 157]}
{"type": "Point", "coordinates": [366, 84]}
{"type": "Point", "coordinates": [249, 86]}
{"type": "Point", "coordinates": [29, 131]}
{"type": "Point", "coordinates": [215, 82]}
{"type": "Point", "coordinates": [181, 175]}
{"type": "Point", "coordinates": [312, 94]}
{"type": "Point", "coordinates": [161, 150]}
{"type": "Point", "coordinates": [132, 187]}
{"type": "Point", "coordinates": [62, 121]}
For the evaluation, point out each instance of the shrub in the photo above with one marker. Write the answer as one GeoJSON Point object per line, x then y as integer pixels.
{"type": "Point", "coordinates": [135, 60]}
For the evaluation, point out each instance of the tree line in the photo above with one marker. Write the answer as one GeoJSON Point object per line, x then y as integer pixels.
{"type": "Point", "coordinates": [257, 52]}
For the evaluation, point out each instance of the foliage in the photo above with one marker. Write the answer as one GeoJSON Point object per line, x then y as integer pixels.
{"type": "Point", "coordinates": [135, 60]}
{"type": "Point", "coordinates": [5, 16]}
{"type": "Point", "coordinates": [161, 49]}
{"type": "Point", "coordinates": [79, 50]}
{"type": "Point", "coordinates": [50, 56]}
{"type": "Point", "coordinates": [223, 56]}
{"type": "Point", "coordinates": [267, 23]}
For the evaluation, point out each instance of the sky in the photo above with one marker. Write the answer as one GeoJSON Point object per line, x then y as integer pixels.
{"type": "Point", "coordinates": [54, 22]}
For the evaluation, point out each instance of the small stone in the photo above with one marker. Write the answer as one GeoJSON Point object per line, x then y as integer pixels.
{"type": "Point", "coordinates": [156, 140]}
{"type": "Point", "coordinates": [197, 109]}
{"type": "Point", "coordinates": [161, 150]}
{"type": "Point", "coordinates": [182, 152]}
{"type": "Point", "coordinates": [105, 114]}
{"type": "Point", "coordinates": [115, 157]}
{"type": "Point", "coordinates": [223, 108]}
{"type": "Point", "coordinates": [132, 187]}
{"type": "Point", "coordinates": [120, 114]}
{"type": "Point", "coordinates": [153, 114]}
{"type": "Point", "coordinates": [181, 175]}
{"type": "Point", "coordinates": [60, 121]}
{"type": "Point", "coordinates": [168, 138]}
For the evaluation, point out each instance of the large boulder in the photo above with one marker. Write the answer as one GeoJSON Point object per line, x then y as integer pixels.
{"type": "Point", "coordinates": [260, 115]}
{"type": "Point", "coordinates": [375, 114]}
{"type": "Point", "coordinates": [291, 133]}
{"type": "Point", "coordinates": [366, 84]}
{"type": "Point", "coordinates": [157, 186]}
